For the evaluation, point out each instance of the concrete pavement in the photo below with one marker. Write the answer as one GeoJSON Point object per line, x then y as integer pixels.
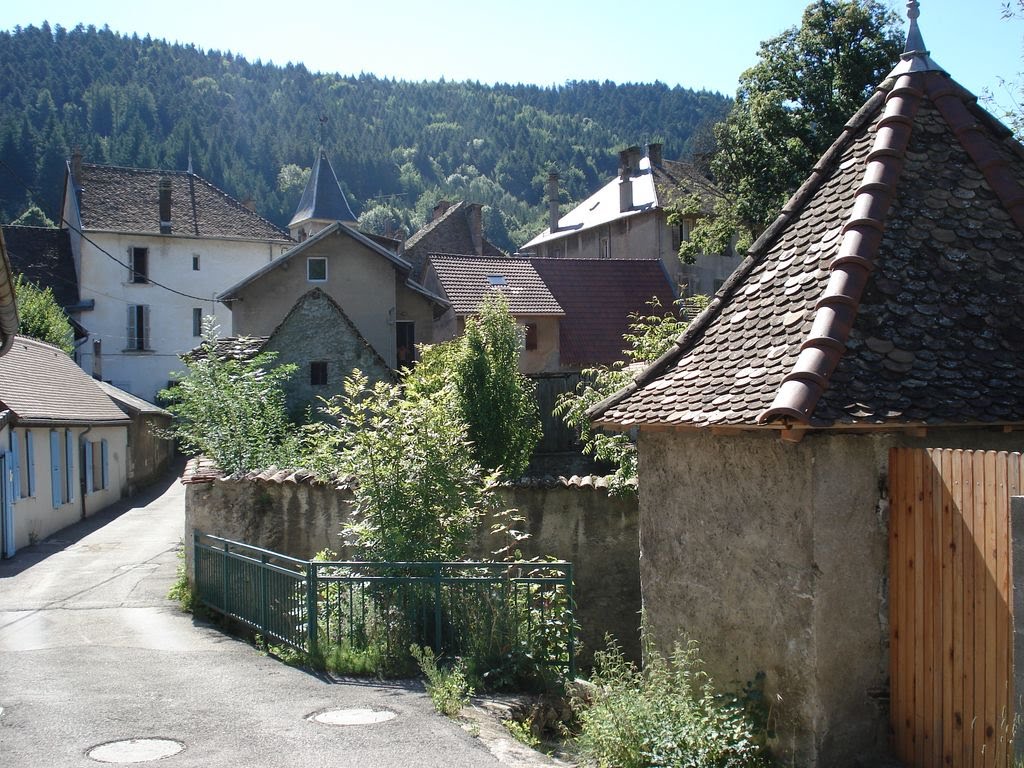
{"type": "Point", "coordinates": [92, 651]}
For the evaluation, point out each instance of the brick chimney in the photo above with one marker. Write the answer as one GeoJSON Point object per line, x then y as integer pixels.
{"type": "Point", "coordinates": [654, 153]}
{"type": "Point", "coordinates": [164, 187]}
{"type": "Point", "coordinates": [474, 218]}
{"type": "Point", "coordinates": [76, 165]}
{"type": "Point", "coordinates": [440, 209]}
{"type": "Point", "coordinates": [553, 201]}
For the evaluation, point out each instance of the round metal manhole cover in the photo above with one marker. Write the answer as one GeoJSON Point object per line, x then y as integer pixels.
{"type": "Point", "coordinates": [135, 750]}
{"type": "Point", "coordinates": [352, 716]}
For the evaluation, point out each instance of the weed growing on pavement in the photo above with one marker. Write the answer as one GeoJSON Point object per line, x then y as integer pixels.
{"type": "Point", "coordinates": [522, 732]}
{"type": "Point", "coordinates": [181, 590]}
{"type": "Point", "coordinates": [448, 688]}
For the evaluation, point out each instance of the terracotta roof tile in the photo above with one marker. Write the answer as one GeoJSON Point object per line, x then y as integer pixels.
{"type": "Point", "coordinates": [451, 232]}
{"type": "Point", "coordinates": [886, 293]}
{"type": "Point", "coordinates": [598, 296]}
{"type": "Point", "coordinates": [127, 200]}
{"type": "Point", "coordinates": [467, 280]}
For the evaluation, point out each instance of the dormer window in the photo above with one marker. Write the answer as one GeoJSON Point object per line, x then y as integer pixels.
{"type": "Point", "coordinates": [316, 269]}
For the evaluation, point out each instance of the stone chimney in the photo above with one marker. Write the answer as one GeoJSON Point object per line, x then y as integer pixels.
{"type": "Point", "coordinates": [164, 187]}
{"type": "Point", "coordinates": [440, 209]}
{"type": "Point", "coordinates": [553, 201]}
{"type": "Point", "coordinates": [654, 154]}
{"type": "Point", "coordinates": [474, 218]}
{"type": "Point", "coordinates": [97, 359]}
{"type": "Point", "coordinates": [76, 165]}
{"type": "Point", "coordinates": [626, 180]}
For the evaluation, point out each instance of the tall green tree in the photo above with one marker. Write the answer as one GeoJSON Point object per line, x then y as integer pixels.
{"type": "Point", "coordinates": [792, 104]}
{"type": "Point", "coordinates": [40, 316]}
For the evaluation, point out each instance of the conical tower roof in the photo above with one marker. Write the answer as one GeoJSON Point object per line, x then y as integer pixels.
{"type": "Point", "coordinates": [322, 199]}
{"type": "Point", "coordinates": [888, 292]}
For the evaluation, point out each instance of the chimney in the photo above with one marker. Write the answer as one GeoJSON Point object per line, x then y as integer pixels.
{"type": "Point", "coordinates": [634, 159]}
{"type": "Point", "coordinates": [97, 359]}
{"type": "Point", "coordinates": [553, 201]}
{"type": "Point", "coordinates": [624, 170]}
{"type": "Point", "coordinates": [440, 209]}
{"type": "Point", "coordinates": [164, 187]}
{"type": "Point", "coordinates": [76, 165]}
{"type": "Point", "coordinates": [654, 154]}
{"type": "Point", "coordinates": [474, 217]}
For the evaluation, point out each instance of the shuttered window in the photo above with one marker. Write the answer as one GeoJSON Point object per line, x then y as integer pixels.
{"type": "Point", "coordinates": [56, 478]}
{"type": "Point", "coordinates": [138, 327]}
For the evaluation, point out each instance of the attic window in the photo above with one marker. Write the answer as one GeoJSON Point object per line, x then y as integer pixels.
{"type": "Point", "coordinates": [318, 373]}
{"type": "Point", "coordinates": [496, 280]}
{"type": "Point", "coordinates": [316, 269]}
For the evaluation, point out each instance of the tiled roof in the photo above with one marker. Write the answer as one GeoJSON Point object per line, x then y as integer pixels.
{"type": "Point", "coordinates": [8, 307]}
{"type": "Point", "coordinates": [41, 384]}
{"type": "Point", "coordinates": [127, 200]}
{"type": "Point", "coordinates": [322, 198]}
{"type": "Point", "coordinates": [466, 280]}
{"type": "Point", "coordinates": [129, 403]}
{"type": "Point", "coordinates": [889, 291]}
{"type": "Point", "coordinates": [43, 256]}
{"type": "Point", "coordinates": [668, 183]}
{"type": "Point", "coordinates": [451, 232]}
{"type": "Point", "coordinates": [598, 296]}
{"type": "Point", "coordinates": [231, 348]}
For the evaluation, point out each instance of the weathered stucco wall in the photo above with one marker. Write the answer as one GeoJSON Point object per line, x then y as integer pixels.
{"type": "Point", "coordinates": [774, 557]}
{"type": "Point", "coordinates": [580, 523]}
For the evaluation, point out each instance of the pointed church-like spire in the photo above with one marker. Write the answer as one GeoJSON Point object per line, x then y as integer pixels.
{"type": "Point", "coordinates": [322, 201]}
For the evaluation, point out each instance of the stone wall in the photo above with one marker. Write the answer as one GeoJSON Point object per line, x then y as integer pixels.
{"type": "Point", "coordinates": [774, 557]}
{"type": "Point", "coordinates": [574, 519]}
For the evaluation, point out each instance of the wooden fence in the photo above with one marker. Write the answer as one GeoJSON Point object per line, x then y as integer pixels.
{"type": "Point", "coordinates": [950, 605]}
{"type": "Point", "coordinates": [558, 438]}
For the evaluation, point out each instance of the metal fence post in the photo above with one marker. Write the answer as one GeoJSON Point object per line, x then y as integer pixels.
{"type": "Point", "coordinates": [571, 605]}
{"type": "Point", "coordinates": [437, 608]}
{"type": "Point", "coordinates": [227, 608]}
{"type": "Point", "coordinates": [263, 593]}
{"type": "Point", "coordinates": [311, 607]}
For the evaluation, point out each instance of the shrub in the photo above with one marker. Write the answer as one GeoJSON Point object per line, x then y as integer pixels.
{"type": "Point", "coordinates": [665, 715]}
{"type": "Point", "coordinates": [448, 688]}
{"type": "Point", "coordinates": [40, 317]}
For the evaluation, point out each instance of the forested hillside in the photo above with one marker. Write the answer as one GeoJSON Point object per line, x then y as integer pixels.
{"type": "Point", "coordinates": [251, 128]}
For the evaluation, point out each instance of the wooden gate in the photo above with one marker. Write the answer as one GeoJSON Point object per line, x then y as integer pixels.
{"type": "Point", "coordinates": [950, 605]}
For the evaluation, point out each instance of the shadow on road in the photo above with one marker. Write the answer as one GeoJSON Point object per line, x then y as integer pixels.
{"type": "Point", "coordinates": [29, 556]}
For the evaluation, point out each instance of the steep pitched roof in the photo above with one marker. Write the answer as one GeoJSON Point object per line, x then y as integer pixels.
{"type": "Point", "coordinates": [598, 296]}
{"type": "Point", "coordinates": [127, 200]}
{"type": "Point", "coordinates": [889, 290]}
{"type": "Point", "coordinates": [129, 403]}
{"type": "Point", "coordinates": [43, 256]}
{"type": "Point", "coordinates": [457, 230]}
{"type": "Point", "coordinates": [653, 186]}
{"type": "Point", "coordinates": [467, 280]}
{"type": "Point", "coordinates": [322, 198]}
{"type": "Point", "coordinates": [41, 384]}
{"type": "Point", "coordinates": [8, 307]}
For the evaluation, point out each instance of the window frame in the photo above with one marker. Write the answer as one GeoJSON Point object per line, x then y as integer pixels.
{"type": "Point", "coordinates": [309, 263]}
{"type": "Point", "coordinates": [197, 321]}
{"type": "Point", "coordinates": [136, 341]}
{"type": "Point", "coordinates": [318, 373]}
{"type": "Point", "coordinates": [137, 275]}
{"type": "Point", "coordinates": [531, 334]}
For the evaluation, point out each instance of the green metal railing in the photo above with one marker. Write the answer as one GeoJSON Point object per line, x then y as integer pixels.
{"type": "Point", "coordinates": [458, 609]}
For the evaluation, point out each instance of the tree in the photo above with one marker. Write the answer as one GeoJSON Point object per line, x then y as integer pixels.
{"type": "Point", "coordinates": [792, 104]}
{"type": "Point", "coordinates": [1009, 106]}
{"type": "Point", "coordinates": [40, 316]}
{"type": "Point", "coordinates": [230, 410]}
{"type": "Point", "coordinates": [479, 373]}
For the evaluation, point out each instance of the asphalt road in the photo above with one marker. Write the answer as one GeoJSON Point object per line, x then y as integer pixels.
{"type": "Point", "coordinates": [92, 651]}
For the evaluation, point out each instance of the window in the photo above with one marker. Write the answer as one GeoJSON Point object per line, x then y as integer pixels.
{"type": "Point", "coordinates": [197, 321]}
{"type": "Point", "coordinates": [95, 465]}
{"type": "Point", "coordinates": [316, 269]}
{"type": "Point", "coordinates": [138, 265]}
{"type": "Point", "coordinates": [138, 327]}
{"type": "Point", "coordinates": [496, 280]}
{"type": "Point", "coordinates": [318, 373]}
{"type": "Point", "coordinates": [605, 252]}
{"type": "Point", "coordinates": [405, 343]}
{"type": "Point", "coordinates": [531, 335]}
{"type": "Point", "coordinates": [195, 262]}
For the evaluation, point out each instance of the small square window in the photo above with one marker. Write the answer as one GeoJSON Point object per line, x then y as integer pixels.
{"type": "Point", "coordinates": [195, 262]}
{"type": "Point", "coordinates": [531, 335]}
{"type": "Point", "coordinates": [318, 373]}
{"type": "Point", "coordinates": [316, 269]}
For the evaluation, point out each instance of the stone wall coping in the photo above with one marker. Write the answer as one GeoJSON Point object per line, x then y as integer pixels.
{"type": "Point", "coordinates": [202, 470]}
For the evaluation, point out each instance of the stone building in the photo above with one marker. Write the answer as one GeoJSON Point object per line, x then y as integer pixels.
{"type": "Point", "coordinates": [882, 308]}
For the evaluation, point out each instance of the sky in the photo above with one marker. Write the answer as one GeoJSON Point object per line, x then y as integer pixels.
{"type": "Point", "coordinates": [693, 43]}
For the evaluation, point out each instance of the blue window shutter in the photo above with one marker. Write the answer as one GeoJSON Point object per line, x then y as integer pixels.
{"type": "Point", "coordinates": [69, 448]}
{"type": "Point", "coordinates": [88, 467]}
{"type": "Point", "coordinates": [56, 481]}
{"type": "Point", "coordinates": [103, 460]}
{"type": "Point", "coordinates": [30, 457]}
{"type": "Point", "coordinates": [16, 474]}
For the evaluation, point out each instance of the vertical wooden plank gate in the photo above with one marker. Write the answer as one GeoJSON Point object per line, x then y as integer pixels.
{"type": "Point", "coordinates": [950, 605]}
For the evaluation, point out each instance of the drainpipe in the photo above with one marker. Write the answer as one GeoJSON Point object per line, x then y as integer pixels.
{"type": "Point", "coordinates": [81, 466]}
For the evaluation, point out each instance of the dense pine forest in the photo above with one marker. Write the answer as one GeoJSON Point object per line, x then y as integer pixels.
{"type": "Point", "coordinates": [253, 128]}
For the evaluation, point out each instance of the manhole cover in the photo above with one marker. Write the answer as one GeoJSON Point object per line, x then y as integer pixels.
{"type": "Point", "coordinates": [352, 716]}
{"type": "Point", "coordinates": [135, 750]}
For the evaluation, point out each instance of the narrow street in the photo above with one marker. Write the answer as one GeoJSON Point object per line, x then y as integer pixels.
{"type": "Point", "coordinates": [92, 651]}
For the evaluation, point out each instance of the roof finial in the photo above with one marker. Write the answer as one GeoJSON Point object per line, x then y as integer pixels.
{"type": "Point", "coordinates": [915, 42]}
{"type": "Point", "coordinates": [190, 157]}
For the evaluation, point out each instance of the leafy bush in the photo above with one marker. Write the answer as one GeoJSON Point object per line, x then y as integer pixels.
{"type": "Point", "coordinates": [665, 715]}
{"type": "Point", "coordinates": [40, 317]}
{"type": "Point", "coordinates": [448, 688]}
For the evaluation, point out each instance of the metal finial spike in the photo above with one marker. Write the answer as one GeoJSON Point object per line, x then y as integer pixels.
{"type": "Point", "coordinates": [915, 42]}
{"type": "Point", "coordinates": [913, 9]}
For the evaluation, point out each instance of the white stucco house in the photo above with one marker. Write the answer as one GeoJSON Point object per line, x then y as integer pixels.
{"type": "Point", "coordinates": [152, 249]}
{"type": "Point", "coordinates": [63, 444]}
